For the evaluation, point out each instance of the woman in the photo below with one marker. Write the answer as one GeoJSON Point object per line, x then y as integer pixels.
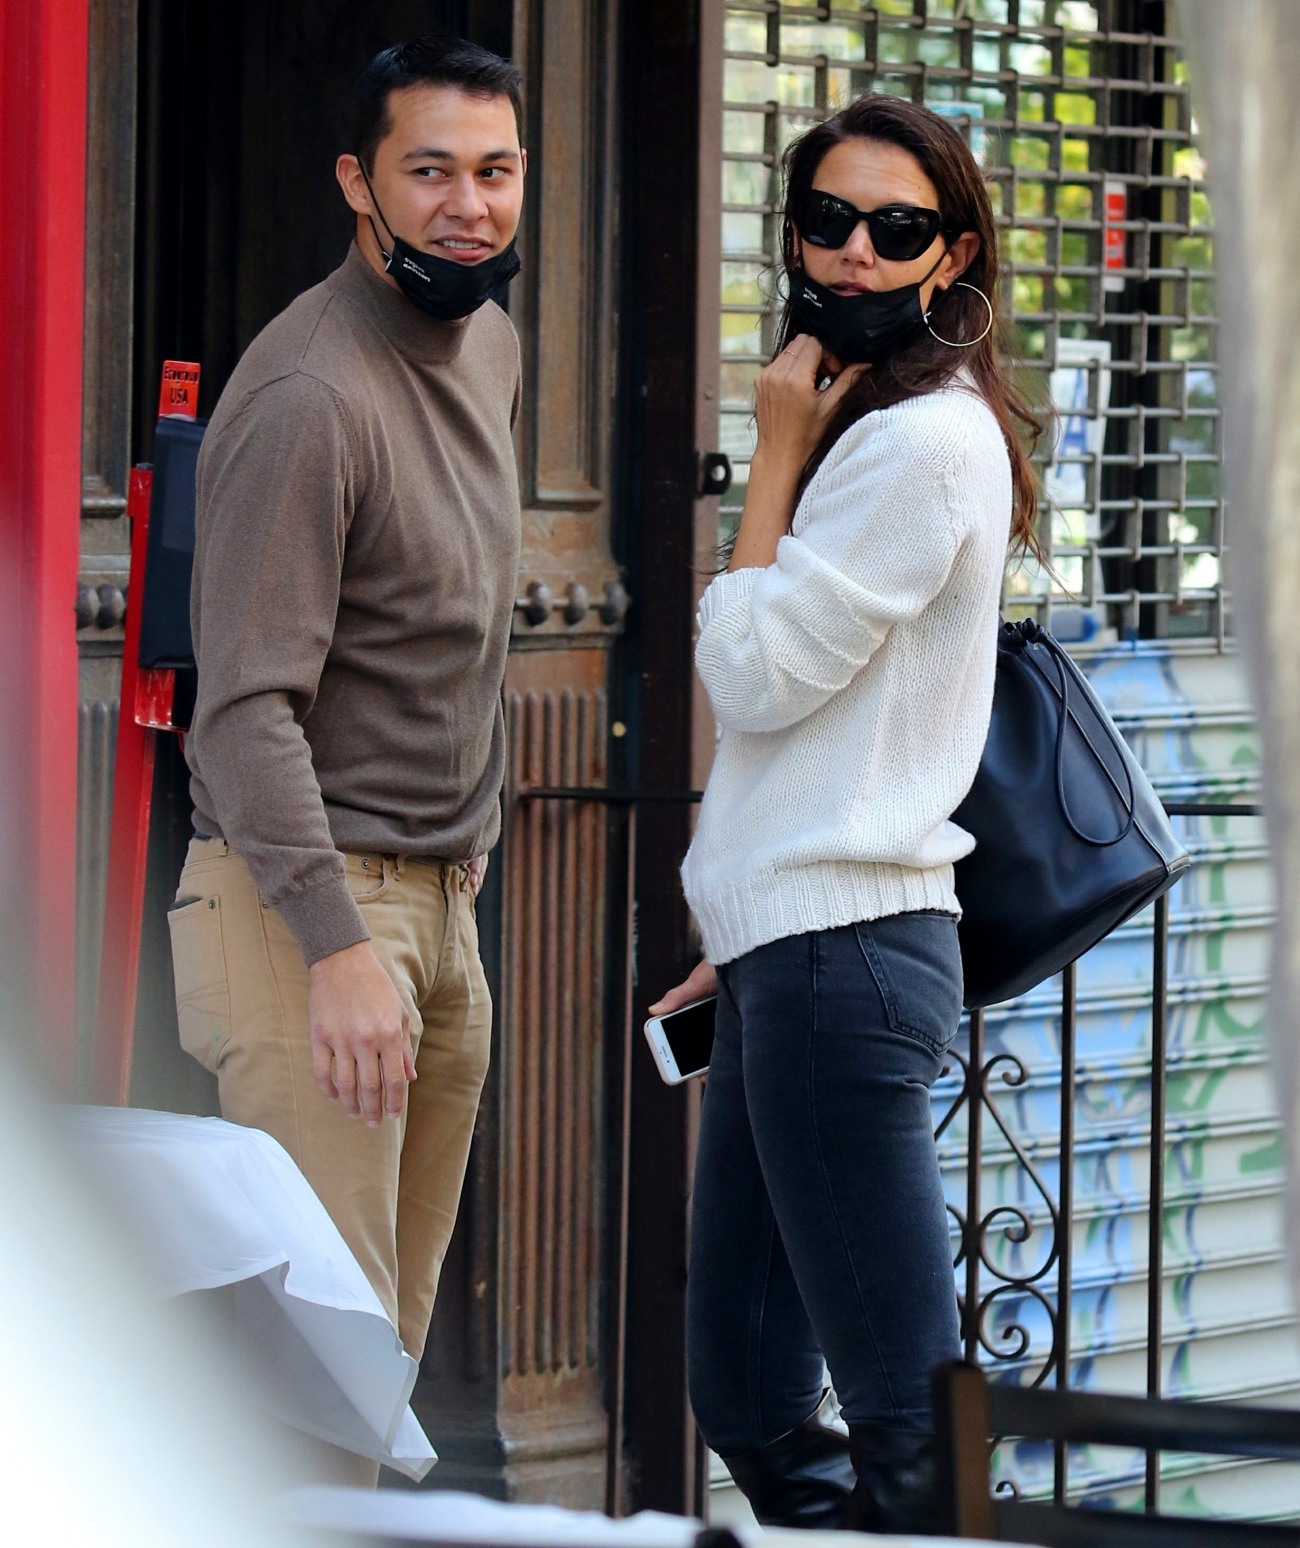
{"type": "Point", "coordinates": [848, 653]}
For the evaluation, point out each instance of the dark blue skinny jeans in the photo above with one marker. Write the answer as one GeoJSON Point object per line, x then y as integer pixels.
{"type": "Point", "coordinates": [818, 1225]}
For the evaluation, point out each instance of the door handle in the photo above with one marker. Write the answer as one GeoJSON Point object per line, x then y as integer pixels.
{"type": "Point", "coordinates": [714, 474]}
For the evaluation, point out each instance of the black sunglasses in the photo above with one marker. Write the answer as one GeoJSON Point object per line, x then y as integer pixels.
{"type": "Point", "coordinates": [899, 232]}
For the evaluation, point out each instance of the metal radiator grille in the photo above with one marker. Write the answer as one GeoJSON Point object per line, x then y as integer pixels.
{"type": "Point", "coordinates": [1079, 115]}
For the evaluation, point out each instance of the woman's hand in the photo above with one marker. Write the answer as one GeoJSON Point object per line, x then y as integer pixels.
{"type": "Point", "coordinates": [702, 982]}
{"type": "Point", "coordinates": [793, 414]}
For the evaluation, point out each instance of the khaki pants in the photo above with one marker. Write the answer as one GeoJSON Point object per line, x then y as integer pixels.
{"type": "Point", "coordinates": [241, 999]}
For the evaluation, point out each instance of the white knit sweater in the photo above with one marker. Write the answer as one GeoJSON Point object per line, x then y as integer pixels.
{"type": "Point", "coordinates": [852, 681]}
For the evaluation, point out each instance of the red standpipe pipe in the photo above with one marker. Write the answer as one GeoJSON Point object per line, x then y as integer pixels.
{"type": "Point", "coordinates": [43, 84]}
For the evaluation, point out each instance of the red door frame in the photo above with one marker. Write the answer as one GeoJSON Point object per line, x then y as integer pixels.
{"type": "Point", "coordinates": [43, 64]}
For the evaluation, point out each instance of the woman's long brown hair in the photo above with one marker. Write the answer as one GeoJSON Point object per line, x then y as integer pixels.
{"type": "Point", "coordinates": [925, 364]}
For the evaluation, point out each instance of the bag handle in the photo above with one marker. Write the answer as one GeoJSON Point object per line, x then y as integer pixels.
{"type": "Point", "coordinates": [1032, 633]}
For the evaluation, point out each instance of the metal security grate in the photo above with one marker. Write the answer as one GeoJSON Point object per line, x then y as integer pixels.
{"type": "Point", "coordinates": [1079, 115]}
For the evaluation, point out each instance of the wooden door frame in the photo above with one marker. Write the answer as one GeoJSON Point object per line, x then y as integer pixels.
{"type": "Point", "coordinates": [672, 53]}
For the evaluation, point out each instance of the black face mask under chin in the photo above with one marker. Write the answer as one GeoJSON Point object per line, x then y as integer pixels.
{"type": "Point", "coordinates": [863, 329]}
{"type": "Point", "coordinates": [442, 287]}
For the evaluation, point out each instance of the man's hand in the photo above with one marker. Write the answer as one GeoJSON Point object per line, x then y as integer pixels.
{"type": "Point", "coordinates": [360, 1034]}
{"type": "Point", "coordinates": [703, 982]}
{"type": "Point", "coordinates": [476, 870]}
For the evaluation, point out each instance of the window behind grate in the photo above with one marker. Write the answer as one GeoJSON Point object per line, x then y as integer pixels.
{"type": "Point", "coordinates": [1079, 114]}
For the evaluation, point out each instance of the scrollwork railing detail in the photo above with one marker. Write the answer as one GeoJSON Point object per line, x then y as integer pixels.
{"type": "Point", "coordinates": [1015, 1222]}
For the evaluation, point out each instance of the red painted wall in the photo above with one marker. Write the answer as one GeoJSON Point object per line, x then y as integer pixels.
{"type": "Point", "coordinates": [42, 241]}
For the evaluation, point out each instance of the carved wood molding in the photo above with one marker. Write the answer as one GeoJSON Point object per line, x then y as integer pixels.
{"type": "Point", "coordinates": [564, 48]}
{"type": "Point", "coordinates": [568, 582]}
{"type": "Point", "coordinates": [110, 256]}
{"type": "Point", "coordinates": [553, 1001]}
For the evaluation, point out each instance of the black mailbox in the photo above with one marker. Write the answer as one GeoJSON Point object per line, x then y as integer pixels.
{"type": "Point", "coordinates": [165, 640]}
{"type": "Point", "coordinates": [165, 620]}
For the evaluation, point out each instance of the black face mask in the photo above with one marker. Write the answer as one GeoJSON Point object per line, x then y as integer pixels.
{"type": "Point", "coordinates": [442, 287]}
{"type": "Point", "coordinates": [862, 329]}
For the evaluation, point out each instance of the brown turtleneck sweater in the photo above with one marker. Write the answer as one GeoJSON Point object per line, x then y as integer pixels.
{"type": "Point", "coordinates": [354, 576]}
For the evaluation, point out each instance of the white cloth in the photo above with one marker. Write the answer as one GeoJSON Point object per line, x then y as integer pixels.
{"type": "Point", "coordinates": [450, 1517]}
{"type": "Point", "coordinates": [216, 1204]}
{"type": "Point", "coordinates": [427, 1516]}
{"type": "Point", "coordinates": [852, 681]}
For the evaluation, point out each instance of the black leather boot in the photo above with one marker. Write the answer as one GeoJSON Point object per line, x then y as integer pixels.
{"type": "Point", "coordinates": [896, 1489]}
{"type": "Point", "coordinates": [802, 1479]}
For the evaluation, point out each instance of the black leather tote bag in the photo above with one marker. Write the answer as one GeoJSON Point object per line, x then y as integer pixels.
{"type": "Point", "coordinates": [1070, 838]}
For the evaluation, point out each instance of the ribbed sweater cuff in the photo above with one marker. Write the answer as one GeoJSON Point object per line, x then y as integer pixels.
{"type": "Point", "coordinates": [324, 918]}
{"type": "Point", "coordinates": [723, 590]}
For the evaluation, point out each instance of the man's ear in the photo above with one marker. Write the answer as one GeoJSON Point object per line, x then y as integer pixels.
{"type": "Point", "coordinates": [959, 258]}
{"type": "Point", "coordinates": [348, 171]}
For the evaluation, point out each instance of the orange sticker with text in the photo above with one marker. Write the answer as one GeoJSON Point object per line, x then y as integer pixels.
{"type": "Point", "coordinates": [180, 389]}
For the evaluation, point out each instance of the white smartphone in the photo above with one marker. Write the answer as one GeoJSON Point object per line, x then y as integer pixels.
{"type": "Point", "coordinates": [682, 1041]}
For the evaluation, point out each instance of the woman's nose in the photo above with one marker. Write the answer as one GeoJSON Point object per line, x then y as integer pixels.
{"type": "Point", "coordinates": [858, 248]}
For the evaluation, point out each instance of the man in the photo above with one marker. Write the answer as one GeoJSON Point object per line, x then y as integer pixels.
{"type": "Point", "coordinates": [354, 578]}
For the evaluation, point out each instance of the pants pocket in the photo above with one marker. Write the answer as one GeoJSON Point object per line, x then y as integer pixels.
{"type": "Point", "coordinates": [202, 987]}
{"type": "Point", "coordinates": [916, 963]}
{"type": "Point", "coordinates": [368, 877]}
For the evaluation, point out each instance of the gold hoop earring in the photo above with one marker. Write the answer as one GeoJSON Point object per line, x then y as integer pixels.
{"type": "Point", "coordinates": [953, 343]}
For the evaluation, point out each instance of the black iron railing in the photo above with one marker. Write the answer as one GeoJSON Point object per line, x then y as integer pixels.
{"type": "Point", "coordinates": [974, 1262]}
{"type": "Point", "coordinates": [975, 1227]}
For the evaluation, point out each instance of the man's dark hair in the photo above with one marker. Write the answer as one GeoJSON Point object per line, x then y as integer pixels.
{"type": "Point", "coordinates": [438, 60]}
